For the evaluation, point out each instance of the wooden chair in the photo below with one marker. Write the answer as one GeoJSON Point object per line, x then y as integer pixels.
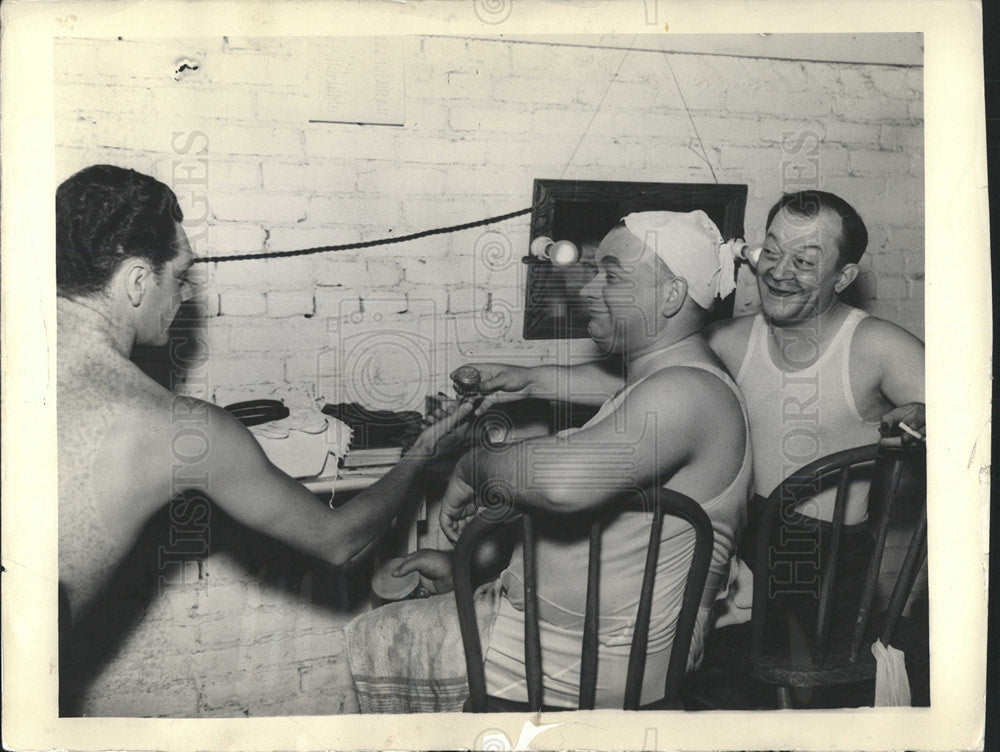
{"type": "Point", "coordinates": [744, 647]}
{"type": "Point", "coordinates": [661, 502]}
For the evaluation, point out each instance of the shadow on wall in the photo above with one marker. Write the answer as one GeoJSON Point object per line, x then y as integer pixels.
{"type": "Point", "coordinates": [159, 570]}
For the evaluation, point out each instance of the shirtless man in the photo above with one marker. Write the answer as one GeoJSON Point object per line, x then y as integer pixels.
{"type": "Point", "coordinates": [818, 375]}
{"type": "Point", "coordinates": [121, 264]}
{"type": "Point", "coordinates": [659, 272]}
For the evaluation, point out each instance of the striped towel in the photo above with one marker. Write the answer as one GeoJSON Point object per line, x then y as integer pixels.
{"type": "Point", "coordinates": [407, 657]}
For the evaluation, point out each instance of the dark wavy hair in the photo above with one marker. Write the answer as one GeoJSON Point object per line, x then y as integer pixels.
{"type": "Point", "coordinates": [853, 233]}
{"type": "Point", "coordinates": [106, 214]}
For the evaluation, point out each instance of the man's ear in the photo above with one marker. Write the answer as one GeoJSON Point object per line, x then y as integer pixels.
{"type": "Point", "coordinates": [674, 295]}
{"type": "Point", "coordinates": [136, 276]}
{"type": "Point", "coordinates": [845, 277]}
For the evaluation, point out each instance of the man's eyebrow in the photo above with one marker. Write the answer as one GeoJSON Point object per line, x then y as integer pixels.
{"type": "Point", "coordinates": [611, 261]}
{"type": "Point", "coordinates": [810, 247]}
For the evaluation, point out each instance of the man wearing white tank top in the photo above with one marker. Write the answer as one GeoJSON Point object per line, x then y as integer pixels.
{"type": "Point", "coordinates": [818, 376]}
{"type": "Point", "coordinates": [659, 274]}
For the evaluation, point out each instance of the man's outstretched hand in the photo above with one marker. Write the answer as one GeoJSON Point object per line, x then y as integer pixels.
{"type": "Point", "coordinates": [448, 432]}
{"type": "Point", "coordinates": [501, 383]}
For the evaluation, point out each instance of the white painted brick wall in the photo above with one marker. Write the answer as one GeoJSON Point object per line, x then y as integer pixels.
{"type": "Point", "coordinates": [484, 118]}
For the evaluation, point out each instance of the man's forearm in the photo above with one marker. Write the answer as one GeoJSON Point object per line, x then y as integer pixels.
{"type": "Point", "coordinates": [370, 513]}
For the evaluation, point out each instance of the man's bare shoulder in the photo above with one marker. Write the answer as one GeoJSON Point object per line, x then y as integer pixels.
{"type": "Point", "coordinates": [876, 339]}
{"type": "Point", "coordinates": [729, 339]}
{"type": "Point", "coordinates": [686, 395]}
{"type": "Point", "coordinates": [166, 424]}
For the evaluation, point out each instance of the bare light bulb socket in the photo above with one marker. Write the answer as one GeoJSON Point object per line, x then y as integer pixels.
{"type": "Point", "coordinates": [559, 252]}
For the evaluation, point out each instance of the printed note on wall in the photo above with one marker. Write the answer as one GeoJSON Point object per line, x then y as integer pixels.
{"type": "Point", "coordinates": [357, 80]}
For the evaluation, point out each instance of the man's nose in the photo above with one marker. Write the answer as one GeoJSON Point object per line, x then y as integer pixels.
{"type": "Point", "coordinates": [187, 292]}
{"type": "Point", "coordinates": [592, 288]}
{"type": "Point", "coordinates": [782, 268]}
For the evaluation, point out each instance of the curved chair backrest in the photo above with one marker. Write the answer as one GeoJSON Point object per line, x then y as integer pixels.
{"type": "Point", "coordinates": [660, 502]}
{"type": "Point", "coordinates": [805, 483]}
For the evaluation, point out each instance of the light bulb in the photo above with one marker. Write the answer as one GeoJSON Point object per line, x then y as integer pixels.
{"type": "Point", "coordinates": [563, 253]}
{"type": "Point", "coordinates": [747, 253]}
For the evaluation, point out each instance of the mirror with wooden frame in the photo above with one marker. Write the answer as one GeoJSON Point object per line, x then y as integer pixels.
{"type": "Point", "coordinates": [584, 211]}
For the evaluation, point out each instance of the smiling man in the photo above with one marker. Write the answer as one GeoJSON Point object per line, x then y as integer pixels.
{"type": "Point", "coordinates": [818, 376]}
{"type": "Point", "coordinates": [677, 422]}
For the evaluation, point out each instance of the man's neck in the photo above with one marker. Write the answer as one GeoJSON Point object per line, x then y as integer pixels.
{"type": "Point", "coordinates": [664, 350]}
{"type": "Point", "coordinates": [832, 314]}
{"type": "Point", "coordinates": [799, 344]}
{"type": "Point", "coordinates": [120, 334]}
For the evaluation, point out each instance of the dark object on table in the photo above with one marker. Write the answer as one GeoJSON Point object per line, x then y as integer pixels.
{"type": "Point", "coordinates": [663, 502]}
{"type": "Point", "coordinates": [377, 429]}
{"type": "Point", "coordinates": [256, 412]}
{"type": "Point", "coordinates": [807, 666]}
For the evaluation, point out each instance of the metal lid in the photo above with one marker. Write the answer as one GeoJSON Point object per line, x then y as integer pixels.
{"type": "Point", "coordinates": [466, 379]}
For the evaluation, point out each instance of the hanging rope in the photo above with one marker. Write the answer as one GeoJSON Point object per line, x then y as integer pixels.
{"type": "Point", "coordinates": [363, 244]}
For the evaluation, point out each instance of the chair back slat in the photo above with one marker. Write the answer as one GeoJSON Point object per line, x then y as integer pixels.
{"type": "Point", "coordinates": [762, 585]}
{"type": "Point", "coordinates": [532, 640]}
{"type": "Point", "coordinates": [588, 656]}
{"type": "Point", "coordinates": [640, 635]}
{"type": "Point", "coordinates": [474, 532]}
{"type": "Point", "coordinates": [827, 588]}
{"type": "Point", "coordinates": [875, 565]}
{"type": "Point", "coordinates": [701, 561]}
{"type": "Point", "coordinates": [914, 560]}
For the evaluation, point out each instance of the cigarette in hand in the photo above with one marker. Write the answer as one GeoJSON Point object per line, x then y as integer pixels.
{"type": "Point", "coordinates": [907, 429]}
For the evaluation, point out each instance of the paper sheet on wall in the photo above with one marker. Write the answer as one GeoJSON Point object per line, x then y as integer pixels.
{"type": "Point", "coordinates": [357, 80]}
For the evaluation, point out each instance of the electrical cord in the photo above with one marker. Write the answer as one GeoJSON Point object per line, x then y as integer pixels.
{"type": "Point", "coordinates": [362, 244]}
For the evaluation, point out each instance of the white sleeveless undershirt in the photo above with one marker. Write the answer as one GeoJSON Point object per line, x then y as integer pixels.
{"type": "Point", "coordinates": [561, 588]}
{"type": "Point", "coordinates": [797, 417]}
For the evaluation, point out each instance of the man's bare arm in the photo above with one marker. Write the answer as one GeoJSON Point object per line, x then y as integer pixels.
{"type": "Point", "coordinates": [644, 443]}
{"type": "Point", "coordinates": [586, 383]}
{"type": "Point", "coordinates": [899, 359]}
{"type": "Point", "coordinates": [244, 483]}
